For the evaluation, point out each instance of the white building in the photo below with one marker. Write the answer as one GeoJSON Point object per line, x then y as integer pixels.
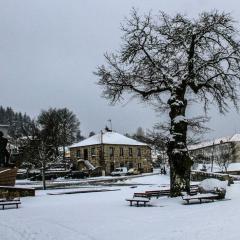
{"type": "Point", "coordinates": [213, 151]}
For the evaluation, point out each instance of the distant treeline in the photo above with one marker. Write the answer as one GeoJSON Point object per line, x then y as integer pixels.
{"type": "Point", "coordinates": [18, 123]}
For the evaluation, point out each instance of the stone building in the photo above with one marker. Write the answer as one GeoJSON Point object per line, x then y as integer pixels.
{"type": "Point", "coordinates": [109, 150]}
{"type": "Point", "coordinates": [214, 151]}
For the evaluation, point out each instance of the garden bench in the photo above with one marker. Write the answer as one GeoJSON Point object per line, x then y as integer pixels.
{"type": "Point", "coordinates": [200, 197]}
{"type": "Point", "coordinates": [158, 193]}
{"type": "Point", "coordinates": [8, 203]}
{"type": "Point", "coordinates": [141, 195]}
{"type": "Point", "coordinates": [138, 200]}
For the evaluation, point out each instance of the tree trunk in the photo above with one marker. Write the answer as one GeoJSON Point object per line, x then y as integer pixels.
{"type": "Point", "coordinates": [43, 174]}
{"type": "Point", "coordinates": [179, 159]}
{"type": "Point", "coordinates": [64, 152]}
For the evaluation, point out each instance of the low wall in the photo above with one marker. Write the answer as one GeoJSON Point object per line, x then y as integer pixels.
{"type": "Point", "coordinates": [200, 176]}
{"type": "Point", "coordinates": [22, 192]}
{"type": "Point", "coordinates": [8, 176]}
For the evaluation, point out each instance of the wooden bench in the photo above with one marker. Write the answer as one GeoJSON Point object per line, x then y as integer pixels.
{"type": "Point", "coordinates": [158, 193]}
{"type": "Point", "coordinates": [9, 203]}
{"type": "Point", "coordinates": [200, 197]}
{"type": "Point", "coordinates": [141, 195]}
{"type": "Point", "coordinates": [138, 200]}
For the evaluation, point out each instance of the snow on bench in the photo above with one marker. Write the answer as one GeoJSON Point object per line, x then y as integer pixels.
{"type": "Point", "coordinates": [138, 200]}
{"type": "Point", "coordinates": [163, 192]}
{"type": "Point", "coordinates": [8, 203]}
{"type": "Point", "coordinates": [200, 197]}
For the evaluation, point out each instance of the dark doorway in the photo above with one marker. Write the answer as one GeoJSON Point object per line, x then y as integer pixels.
{"type": "Point", "coordinates": [85, 154]}
{"type": "Point", "coordinates": [112, 167]}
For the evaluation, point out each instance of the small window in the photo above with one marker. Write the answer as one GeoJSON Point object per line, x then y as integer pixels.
{"type": "Point", "coordinates": [93, 152]}
{"type": "Point", "coordinates": [111, 151]}
{"type": "Point", "coordinates": [139, 152]}
{"type": "Point", "coordinates": [121, 151]}
{"type": "Point", "coordinates": [78, 154]}
{"type": "Point", "coordinates": [130, 152]}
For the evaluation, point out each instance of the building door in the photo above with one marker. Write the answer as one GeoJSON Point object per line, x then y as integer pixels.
{"type": "Point", "coordinates": [112, 167]}
{"type": "Point", "coordinates": [85, 154]}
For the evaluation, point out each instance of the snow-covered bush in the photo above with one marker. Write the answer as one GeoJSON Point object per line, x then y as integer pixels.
{"type": "Point", "coordinates": [212, 185]}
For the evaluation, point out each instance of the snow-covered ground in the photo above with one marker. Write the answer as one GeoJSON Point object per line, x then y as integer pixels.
{"type": "Point", "coordinates": [107, 216]}
{"type": "Point", "coordinates": [61, 182]}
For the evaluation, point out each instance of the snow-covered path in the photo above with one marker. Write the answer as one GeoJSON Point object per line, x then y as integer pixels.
{"type": "Point", "coordinates": [107, 216]}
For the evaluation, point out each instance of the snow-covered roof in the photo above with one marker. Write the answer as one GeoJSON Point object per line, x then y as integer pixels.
{"type": "Point", "coordinates": [108, 138]}
{"type": "Point", "coordinates": [234, 138]}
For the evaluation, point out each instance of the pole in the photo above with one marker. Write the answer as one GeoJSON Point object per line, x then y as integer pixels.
{"type": "Point", "coordinates": [102, 155]}
{"type": "Point", "coordinates": [43, 174]}
{"type": "Point", "coordinates": [212, 156]}
{"type": "Point", "coordinates": [110, 121]}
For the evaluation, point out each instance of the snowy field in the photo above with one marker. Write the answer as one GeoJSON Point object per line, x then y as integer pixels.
{"type": "Point", "coordinates": [107, 216]}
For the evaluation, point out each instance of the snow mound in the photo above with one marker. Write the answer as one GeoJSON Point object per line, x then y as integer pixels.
{"type": "Point", "coordinates": [211, 184]}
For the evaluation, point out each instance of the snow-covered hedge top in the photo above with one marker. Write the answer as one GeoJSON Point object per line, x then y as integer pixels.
{"type": "Point", "coordinates": [234, 138]}
{"type": "Point", "coordinates": [211, 184]}
{"type": "Point", "coordinates": [108, 138]}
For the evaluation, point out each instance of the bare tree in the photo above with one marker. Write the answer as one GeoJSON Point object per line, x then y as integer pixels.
{"type": "Point", "coordinates": [224, 157]}
{"type": "Point", "coordinates": [58, 128]}
{"type": "Point", "coordinates": [173, 59]}
{"type": "Point", "coordinates": [68, 125]}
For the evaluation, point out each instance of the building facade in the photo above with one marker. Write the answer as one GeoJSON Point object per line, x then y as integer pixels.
{"type": "Point", "coordinates": [215, 151]}
{"type": "Point", "coordinates": [110, 150]}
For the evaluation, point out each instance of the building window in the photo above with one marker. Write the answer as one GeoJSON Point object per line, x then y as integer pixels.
{"type": "Point", "coordinates": [111, 151]}
{"type": "Point", "coordinates": [93, 152]}
{"type": "Point", "coordinates": [78, 154]}
{"type": "Point", "coordinates": [121, 151]}
{"type": "Point", "coordinates": [130, 152]}
{"type": "Point", "coordinates": [139, 152]}
{"type": "Point", "coordinates": [130, 164]}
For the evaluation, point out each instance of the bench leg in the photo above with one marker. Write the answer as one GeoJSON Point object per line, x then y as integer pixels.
{"type": "Point", "coordinates": [200, 200]}
{"type": "Point", "coordinates": [137, 204]}
{"type": "Point", "coordinates": [130, 203]}
{"type": "Point", "coordinates": [17, 205]}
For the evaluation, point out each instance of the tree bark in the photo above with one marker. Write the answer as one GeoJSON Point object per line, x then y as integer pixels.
{"type": "Point", "coordinates": [43, 174]}
{"type": "Point", "coordinates": [179, 159]}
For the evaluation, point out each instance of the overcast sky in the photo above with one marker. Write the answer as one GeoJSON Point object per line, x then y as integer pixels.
{"type": "Point", "coordinates": [50, 48]}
